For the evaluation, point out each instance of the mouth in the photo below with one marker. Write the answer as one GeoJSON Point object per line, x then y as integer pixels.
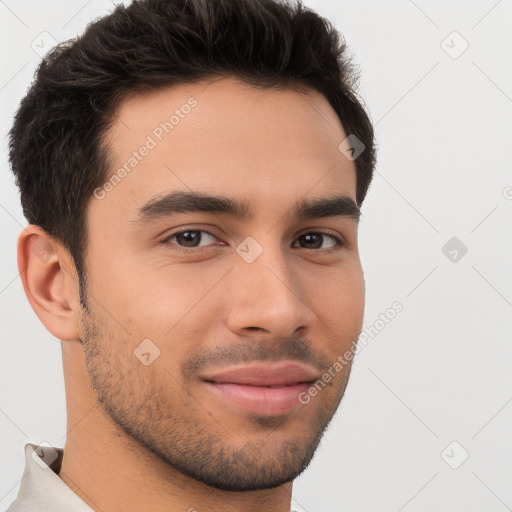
{"type": "Point", "coordinates": [264, 389]}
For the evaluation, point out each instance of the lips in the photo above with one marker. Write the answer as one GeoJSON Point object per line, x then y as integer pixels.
{"type": "Point", "coordinates": [265, 389]}
{"type": "Point", "coordinates": [257, 374]}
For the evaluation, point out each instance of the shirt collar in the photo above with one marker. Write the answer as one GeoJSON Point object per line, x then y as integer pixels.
{"type": "Point", "coordinates": [41, 488]}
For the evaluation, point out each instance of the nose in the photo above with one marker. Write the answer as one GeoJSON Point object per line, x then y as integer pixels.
{"type": "Point", "coordinates": [266, 296]}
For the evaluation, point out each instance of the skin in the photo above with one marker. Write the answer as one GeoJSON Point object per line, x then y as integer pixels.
{"type": "Point", "coordinates": [131, 426]}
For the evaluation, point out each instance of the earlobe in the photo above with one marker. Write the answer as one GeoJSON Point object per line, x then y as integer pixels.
{"type": "Point", "coordinates": [52, 290]}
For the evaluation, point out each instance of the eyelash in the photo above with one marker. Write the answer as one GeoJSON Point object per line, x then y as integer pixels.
{"type": "Point", "coordinates": [166, 241]}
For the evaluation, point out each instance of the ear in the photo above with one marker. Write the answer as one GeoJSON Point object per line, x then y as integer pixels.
{"type": "Point", "coordinates": [50, 282]}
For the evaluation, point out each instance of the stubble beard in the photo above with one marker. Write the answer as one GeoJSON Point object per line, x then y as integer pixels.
{"type": "Point", "coordinates": [137, 400]}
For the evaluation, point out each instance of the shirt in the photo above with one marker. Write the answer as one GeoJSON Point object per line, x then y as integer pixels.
{"type": "Point", "coordinates": [41, 489]}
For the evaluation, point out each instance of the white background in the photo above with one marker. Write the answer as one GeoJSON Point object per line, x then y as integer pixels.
{"type": "Point", "coordinates": [441, 370]}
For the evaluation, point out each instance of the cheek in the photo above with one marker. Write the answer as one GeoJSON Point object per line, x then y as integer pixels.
{"type": "Point", "coordinates": [150, 299]}
{"type": "Point", "coordinates": [181, 296]}
{"type": "Point", "coordinates": [340, 304]}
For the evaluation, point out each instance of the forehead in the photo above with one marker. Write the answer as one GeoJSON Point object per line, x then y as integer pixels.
{"type": "Point", "coordinates": [224, 137]}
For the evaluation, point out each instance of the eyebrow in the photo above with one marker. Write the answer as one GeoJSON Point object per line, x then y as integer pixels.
{"type": "Point", "coordinates": [185, 202]}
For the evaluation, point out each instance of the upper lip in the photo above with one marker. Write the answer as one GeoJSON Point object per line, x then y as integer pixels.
{"type": "Point", "coordinates": [264, 374]}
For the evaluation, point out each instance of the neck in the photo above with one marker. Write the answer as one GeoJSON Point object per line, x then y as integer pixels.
{"type": "Point", "coordinates": [112, 472]}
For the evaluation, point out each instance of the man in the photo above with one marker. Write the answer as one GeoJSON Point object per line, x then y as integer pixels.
{"type": "Point", "coordinates": [192, 172]}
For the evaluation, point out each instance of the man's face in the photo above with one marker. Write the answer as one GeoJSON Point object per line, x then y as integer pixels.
{"type": "Point", "coordinates": [200, 344]}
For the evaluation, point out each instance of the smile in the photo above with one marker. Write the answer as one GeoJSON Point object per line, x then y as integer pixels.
{"type": "Point", "coordinates": [265, 389]}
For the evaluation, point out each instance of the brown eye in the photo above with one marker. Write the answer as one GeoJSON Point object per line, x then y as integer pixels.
{"type": "Point", "coordinates": [315, 240]}
{"type": "Point", "coordinates": [189, 238]}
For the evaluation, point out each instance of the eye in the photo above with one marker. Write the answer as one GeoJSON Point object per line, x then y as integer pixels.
{"type": "Point", "coordinates": [314, 240]}
{"type": "Point", "coordinates": [190, 238]}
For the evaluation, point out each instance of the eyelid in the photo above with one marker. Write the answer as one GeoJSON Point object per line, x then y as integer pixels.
{"type": "Point", "coordinates": [336, 235]}
{"type": "Point", "coordinates": [340, 241]}
{"type": "Point", "coordinates": [166, 239]}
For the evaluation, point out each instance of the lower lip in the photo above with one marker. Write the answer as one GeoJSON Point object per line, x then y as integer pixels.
{"type": "Point", "coordinates": [258, 399]}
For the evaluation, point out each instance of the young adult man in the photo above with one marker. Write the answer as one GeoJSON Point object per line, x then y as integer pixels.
{"type": "Point", "coordinates": [192, 173]}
